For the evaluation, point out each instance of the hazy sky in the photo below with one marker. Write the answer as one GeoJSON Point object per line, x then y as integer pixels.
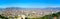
{"type": "Point", "coordinates": [29, 3]}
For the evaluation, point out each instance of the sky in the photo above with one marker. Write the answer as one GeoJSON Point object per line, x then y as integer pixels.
{"type": "Point", "coordinates": [29, 3]}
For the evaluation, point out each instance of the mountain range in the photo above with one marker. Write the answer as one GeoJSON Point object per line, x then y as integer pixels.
{"type": "Point", "coordinates": [48, 8]}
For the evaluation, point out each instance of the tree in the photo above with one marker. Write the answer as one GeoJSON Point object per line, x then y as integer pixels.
{"type": "Point", "coordinates": [3, 17]}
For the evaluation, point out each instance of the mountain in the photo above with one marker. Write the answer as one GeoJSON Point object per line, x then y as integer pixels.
{"type": "Point", "coordinates": [12, 8]}
{"type": "Point", "coordinates": [48, 8]}
{"type": "Point", "coordinates": [2, 9]}
{"type": "Point", "coordinates": [57, 8]}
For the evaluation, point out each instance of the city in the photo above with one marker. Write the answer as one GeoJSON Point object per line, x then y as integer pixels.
{"type": "Point", "coordinates": [29, 9]}
{"type": "Point", "coordinates": [34, 13]}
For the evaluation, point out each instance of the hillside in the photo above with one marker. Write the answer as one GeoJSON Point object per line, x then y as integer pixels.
{"type": "Point", "coordinates": [29, 12]}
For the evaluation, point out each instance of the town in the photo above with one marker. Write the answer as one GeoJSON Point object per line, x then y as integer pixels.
{"type": "Point", "coordinates": [26, 13]}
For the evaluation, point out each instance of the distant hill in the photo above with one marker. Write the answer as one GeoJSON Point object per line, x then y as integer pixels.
{"type": "Point", "coordinates": [57, 8]}
{"type": "Point", "coordinates": [48, 8]}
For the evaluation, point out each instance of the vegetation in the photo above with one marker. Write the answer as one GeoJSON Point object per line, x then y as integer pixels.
{"type": "Point", "coordinates": [48, 16]}
{"type": "Point", "coordinates": [3, 17]}
{"type": "Point", "coordinates": [44, 17]}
